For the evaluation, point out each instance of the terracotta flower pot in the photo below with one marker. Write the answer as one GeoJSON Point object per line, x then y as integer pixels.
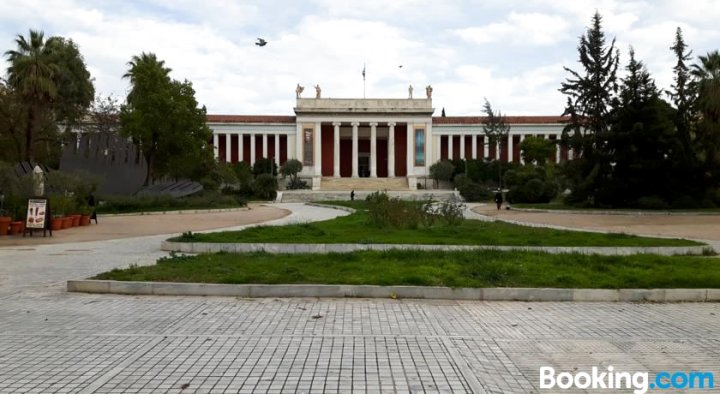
{"type": "Point", "coordinates": [85, 220]}
{"type": "Point", "coordinates": [75, 220]}
{"type": "Point", "coordinates": [67, 222]}
{"type": "Point", "coordinates": [17, 227]}
{"type": "Point", "coordinates": [56, 224]}
{"type": "Point", "coordinates": [5, 224]}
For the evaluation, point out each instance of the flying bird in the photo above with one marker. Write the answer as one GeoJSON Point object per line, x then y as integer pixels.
{"type": "Point", "coordinates": [261, 42]}
{"type": "Point", "coordinates": [400, 66]}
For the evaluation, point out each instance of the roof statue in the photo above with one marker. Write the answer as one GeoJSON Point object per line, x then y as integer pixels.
{"type": "Point", "coordinates": [410, 90]}
{"type": "Point", "coordinates": [298, 90]}
{"type": "Point", "coordinates": [317, 91]}
{"type": "Point", "coordinates": [428, 91]}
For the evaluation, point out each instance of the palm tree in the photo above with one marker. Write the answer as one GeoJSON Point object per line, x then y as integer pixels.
{"type": "Point", "coordinates": [30, 74]}
{"type": "Point", "coordinates": [707, 75]}
{"type": "Point", "coordinates": [707, 85]}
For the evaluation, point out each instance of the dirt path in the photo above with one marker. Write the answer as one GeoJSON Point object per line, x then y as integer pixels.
{"type": "Point", "coordinates": [127, 226]}
{"type": "Point", "coordinates": [704, 227]}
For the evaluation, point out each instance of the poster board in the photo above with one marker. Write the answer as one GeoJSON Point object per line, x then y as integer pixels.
{"type": "Point", "coordinates": [38, 215]}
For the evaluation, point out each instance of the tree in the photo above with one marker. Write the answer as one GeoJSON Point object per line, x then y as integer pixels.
{"type": "Point", "coordinates": [163, 118]}
{"type": "Point", "coordinates": [73, 82]}
{"type": "Point", "coordinates": [292, 168]}
{"type": "Point", "coordinates": [12, 126]}
{"type": "Point", "coordinates": [590, 94]}
{"type": "Point", "coordinates": [537, 150]}
{"type": "Point", "coordinates": [707, 85]}
{"type": "Point", "coordinates": [31, 74]}
{"type": "Point", "coordinates": [496, 129]}
{"type": "Point", "coordinates": [441, 171]}
{"type": "Point", "coordinates": [642, 144]}
{"type": "Point", "coordinates": [50, 80]}
{"type": "Point", "coordinates": [682, 95]}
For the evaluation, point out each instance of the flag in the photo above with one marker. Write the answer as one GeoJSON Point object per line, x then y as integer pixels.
{"type": "Point", "coordinates": [363, 72]}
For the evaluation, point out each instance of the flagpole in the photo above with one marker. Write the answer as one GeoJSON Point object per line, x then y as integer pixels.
{"type": "Point", "coordinates": [363, 80]}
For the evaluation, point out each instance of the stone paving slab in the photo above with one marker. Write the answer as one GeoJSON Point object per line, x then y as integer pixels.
{"type": "Point", "coordinates": [94, 343]}
{"type": "Point", "coordinates": [54, 341]}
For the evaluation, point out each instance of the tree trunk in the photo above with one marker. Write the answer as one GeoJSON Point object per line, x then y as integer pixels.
{"type": "Point", "coordinates": [149, 173]}
{"type": "Point", "coordinates": [29, 135]}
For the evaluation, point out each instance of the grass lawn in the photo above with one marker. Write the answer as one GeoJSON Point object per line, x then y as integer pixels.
{"type": "Point", "coordinates": [354, 228]}
{"type": "Point", "coordinates": [454, 269]}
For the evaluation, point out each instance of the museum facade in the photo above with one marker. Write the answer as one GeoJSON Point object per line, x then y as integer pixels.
{"type": "Point", "coordinates": [364, 139]}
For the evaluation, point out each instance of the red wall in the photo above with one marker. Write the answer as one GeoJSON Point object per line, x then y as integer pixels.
{"type": "Point", "coordinates": [382, 158]}
{"type": "Point", "coordinates": [443, 147]}
{"type": "Point", "coordinates": [328, 149]}
{"type": "Point", "coordinates": [401, 150]}
{"type": "Point", "coordinates": [283, 149]}
{"type": "Point", "coordinates": [345, 157]}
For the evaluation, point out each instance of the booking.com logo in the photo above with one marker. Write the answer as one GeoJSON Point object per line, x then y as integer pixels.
{"type": "Point", "coordinates": [614, 380]}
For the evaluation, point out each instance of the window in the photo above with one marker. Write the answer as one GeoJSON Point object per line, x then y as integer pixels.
{"type": "Point", "coordinates": [308, 146]}
{"type": "Point", "coordinates": [419, 147]}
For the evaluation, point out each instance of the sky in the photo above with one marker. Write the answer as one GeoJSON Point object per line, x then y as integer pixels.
{"type": "Point", "coordinates": [510, 52]}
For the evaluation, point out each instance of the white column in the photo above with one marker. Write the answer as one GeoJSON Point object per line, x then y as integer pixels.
{"type": "Point", "coordinates": [241, 148]}
{"type": "Point", "coordinates": [373, 150]}
{"type": "Point", "coordinates": [290, 147]}
{"type": "Point", "coordinates": [462, 146]}
{"type": "Point", "coordinates": [522, 138]}
{"type": "Point", "coordinates": [486, 147]}
{"type": "Point", "coordinates": [277, 150]}
{"type": "Point", "coordinates": [391, 149]}
{"type": "Point", "coordinates": [510, 148]}
{"type": "Point", "coordinates": [252, 149]}
{"type": "Point", "coordinates": [317, 149]}
{"type": "Point", "coordinates": [265, 147]}
{"type": "Point", "coordinates": [474, 146]}
{"type": "Point", "coordinates": [571, 154]}
{"type": "Point", "coordinates": [216, 145]}
{"type": "Point", "coordinates": [410, 143]}
{"type": "Point", "coordinates": [557, 148]}
{"type": "Point", "coordinates": [429, 146]}
{"type": "Point", "coordinates": [336, 150]}
{"type": "Point", "coordinates": [355, 149]}
{"type": "Point", "coordinates": [228, 148]}
{"type": "Point", "coordinates": [497, 149]}
{"type": "Point", "coordinates": [450, 147]}
{"type": "Point", "coordinates": [298, 143]}
{"type": "Point", "coordinates": [437, 148]}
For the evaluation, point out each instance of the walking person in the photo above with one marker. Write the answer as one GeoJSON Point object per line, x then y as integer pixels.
{"type": "Point", "coordinates": [498, 199]}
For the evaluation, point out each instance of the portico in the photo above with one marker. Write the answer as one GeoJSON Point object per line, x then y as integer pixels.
{"type": "Point", "coordinates": [363, 138]}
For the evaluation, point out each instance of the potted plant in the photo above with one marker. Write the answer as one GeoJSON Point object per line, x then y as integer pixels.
{"type": "Point", "coordinates": [85, 213]}
{"type": "Point", "coordinates": [4, 222]}
{"type": "Point", "coordinates": [17, 227]}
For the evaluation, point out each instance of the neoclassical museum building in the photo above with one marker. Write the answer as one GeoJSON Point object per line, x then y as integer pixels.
{"type": "Point", "coordinates": [370, 140]}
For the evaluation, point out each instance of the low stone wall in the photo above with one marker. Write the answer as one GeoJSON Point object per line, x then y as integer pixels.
{"type": "Point", "coordinates": [419, 292]}
{"type": "Point", "coordinates": [208, 247]}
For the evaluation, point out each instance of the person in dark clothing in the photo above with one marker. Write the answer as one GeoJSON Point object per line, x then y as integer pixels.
{"type": "Point", "coordinates": [91, 204]}
{"type": "Point", "coordinates": [498, 199]}
{"type": "Point", "coordinates": [352, 195]}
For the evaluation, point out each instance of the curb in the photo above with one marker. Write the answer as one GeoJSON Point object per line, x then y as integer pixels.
{"type": "Point", "coordinates": [209, 247]}
{"type": "Point", "coordinates": [178, 212]}
{"type": "Point", "coordinates": [418, 292]}
{"type": "Point", "coordinates": [339, 207]}
{"type": "Point", "coordinates": [621, 213]}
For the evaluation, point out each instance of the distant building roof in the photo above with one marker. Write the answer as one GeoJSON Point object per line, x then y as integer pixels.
{"type": "Point", "coordinates": [510, 119]}
{"type": "Point", "coordinates": [449, 120]}
{"type": "Point", "coordinates": [250, 119]}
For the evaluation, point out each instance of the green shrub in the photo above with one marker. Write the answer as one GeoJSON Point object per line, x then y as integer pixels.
{"type": "Point", "coordinates": [122, 204]}
{"type": "Point", "coordinates": [265, 166]}
{"type": "Point", "coordinates": [472, 191]}
{"type": "Point", "coordinates": [441, 171]}
{"type": "Point", "coordinates": [652, 202]}
{"type": "Point", "coordinates": [265, 186]}
{"type": "Point", "coordinates": [530, 184]}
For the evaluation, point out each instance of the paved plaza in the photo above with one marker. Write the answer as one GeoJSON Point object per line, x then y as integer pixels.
{"type": "Point", "coordinates": [54, 341]}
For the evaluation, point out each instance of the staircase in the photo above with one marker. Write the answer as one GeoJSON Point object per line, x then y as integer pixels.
{"type": "Point", "coordinates": [368, 184]}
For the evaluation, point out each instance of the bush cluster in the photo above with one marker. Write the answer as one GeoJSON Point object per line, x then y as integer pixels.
{"type": "Point", "coordinates": [122, 204]}
{"type": "Point", "coordinates": [384, 211]}
{"type": "Point", "coordinates": [530, 184]}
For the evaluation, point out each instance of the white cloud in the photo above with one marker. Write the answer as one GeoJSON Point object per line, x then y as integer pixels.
{"type": "Point", "coordinates": [518, 28]}
{"type": "Point", "coordinates": [511, 52]}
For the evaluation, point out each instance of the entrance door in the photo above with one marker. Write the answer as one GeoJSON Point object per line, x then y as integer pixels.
{"type": "Point", "coordinates": [364, 166]}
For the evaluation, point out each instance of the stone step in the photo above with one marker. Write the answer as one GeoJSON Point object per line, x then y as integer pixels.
{"type": "Point", "coordinates": [319, 195]}
{"type": "Point", "coordinates": [370, 184]}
